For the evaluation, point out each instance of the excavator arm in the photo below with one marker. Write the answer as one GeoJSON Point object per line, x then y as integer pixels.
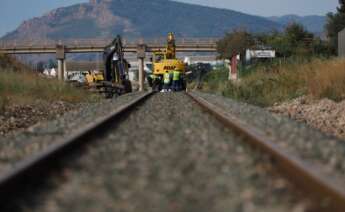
{"type": "Point", "coordinates": [116, 68]}
{"type": "Point", "coordinates": [171, 47]}
{"type": "Point", "coordinates": [115, 65]}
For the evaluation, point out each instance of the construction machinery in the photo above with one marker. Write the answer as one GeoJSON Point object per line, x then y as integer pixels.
{"type": "Point", "coordinates": [165, 62]}
{"type": "Point", "coordinates": [114, 79]}
{"type": "Point", "coordinates": [94, 77]}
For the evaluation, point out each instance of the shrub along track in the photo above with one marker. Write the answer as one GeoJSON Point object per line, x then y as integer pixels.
{"type": "Point", "coordinates": [165, 155]}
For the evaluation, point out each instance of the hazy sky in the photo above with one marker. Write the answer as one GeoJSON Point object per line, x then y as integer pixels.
{"type": "Point", "coordinates": [13, 12]}
{"type": "Point", "coordinates": [273, 7]}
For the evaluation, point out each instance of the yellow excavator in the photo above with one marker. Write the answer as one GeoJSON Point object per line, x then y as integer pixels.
{"type": "Point", "coordinates": [166, 61]}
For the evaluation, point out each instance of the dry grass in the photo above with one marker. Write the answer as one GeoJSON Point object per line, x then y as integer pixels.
{"type": "Point", "coordinates": [27, 88]}
{"type": "Point", "coordinates": [19, 85]}
{"type": "Point", "coordinates": [269, 85]}
{"type": "Point", "coordinates": [325, 78]}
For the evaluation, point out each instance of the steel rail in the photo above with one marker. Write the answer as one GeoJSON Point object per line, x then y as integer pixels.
{"type": "Point", "coordinates": [29, 171]}
{"type": "Point", "coordinates": [325, 190]}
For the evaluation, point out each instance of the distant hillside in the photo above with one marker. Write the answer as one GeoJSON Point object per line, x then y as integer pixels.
{"type": "Point", "coordinates": [137, 18]}
{"type": "Point", "coordinates": [312, 23]}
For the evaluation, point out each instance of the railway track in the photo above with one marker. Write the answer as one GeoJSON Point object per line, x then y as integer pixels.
{"type": "Point", "coordinates": [26, 171]}
{"type": "Point", "coordinates": [26, 175]}
{"type": "Point", "coordinates": [296, 170]}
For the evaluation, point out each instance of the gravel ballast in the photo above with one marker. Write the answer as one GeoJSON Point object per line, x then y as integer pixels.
{"type": "Point", "coordinates": [34, 139]}
{"type": "Point", "coordinates": [315, 148]}
{"type": "Point", "coordinates": [167, 155]}
{"type": "Point", "coordinates": [19, 117]}
{"type": "Point", "coordinates": [324, 114]}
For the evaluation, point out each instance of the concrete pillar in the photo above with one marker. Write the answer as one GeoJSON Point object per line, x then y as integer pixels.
{"type": "Point", "coordinates": [60, 69]}
{"type": "Point", "coordinates": [141, 53]}
{"type": "Point", "coordinates": [341, 44]}
{"type": "Point", "coordinates": [61, 56]}
{"type": "Point", "coordinates": [64, 69]}
{"type": "Point", "coordinates": [141, 74]}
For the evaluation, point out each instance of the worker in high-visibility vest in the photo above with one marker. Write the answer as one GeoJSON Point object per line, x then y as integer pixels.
{"type": "Point", "coordinates": [176, 80]}
{"type": "Point", "coordinates": [166, 82]}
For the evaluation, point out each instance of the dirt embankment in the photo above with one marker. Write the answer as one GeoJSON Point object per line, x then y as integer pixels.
{"type": "Point", "coordinates": [325, 115]}
{"type": "Point", "coordinates": [26, 97]}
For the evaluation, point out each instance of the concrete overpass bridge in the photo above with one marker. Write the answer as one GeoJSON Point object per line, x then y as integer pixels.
{"type": "Point", "coordinates": [140, 47]}
{"type": "Point", "coordinates": [98, 45]}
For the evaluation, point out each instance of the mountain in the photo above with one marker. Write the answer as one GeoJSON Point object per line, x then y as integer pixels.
{"type": "Point", "coordinates": [137, 18]}
{"type": "Point", "coordinates": [312, 23]}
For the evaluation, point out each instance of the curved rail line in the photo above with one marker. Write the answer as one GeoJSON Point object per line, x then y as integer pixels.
{"type": "Point", "coordinates": [25, 172]}
{"type": "Point", "coordinates": [305, 177]}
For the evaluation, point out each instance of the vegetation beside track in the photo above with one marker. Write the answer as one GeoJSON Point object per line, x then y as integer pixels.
{"type": "Point", "coordinates": [21, 86]}
{"type": "Point", "coordinates": [319, 78]}
{"type": "Point", "coordinates": [304, 64]}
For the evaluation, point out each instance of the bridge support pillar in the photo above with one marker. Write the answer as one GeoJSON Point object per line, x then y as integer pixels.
{"type": "Point", "coordinates": [141, 51]}
{"type": "Point", "coordinates": [141, 74]}
{"type": "Point", "coordinates": [65, 69]}
{"type": "Point", "coordinates": [61, 56]}
{"type": "Point", "coordinates": [61, 69]}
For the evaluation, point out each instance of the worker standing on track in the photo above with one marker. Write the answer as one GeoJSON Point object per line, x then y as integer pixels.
{"type": "Point", "coordinates": [176, 80]}
{"type": "Point", "coordinates": [166, 82]}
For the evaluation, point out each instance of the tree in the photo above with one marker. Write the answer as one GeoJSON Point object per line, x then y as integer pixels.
{"type": "Point", "coordinates": [280, 43]}
{"type": "Point", "coordinates": [234, 43]}
{"type": "Point", "coordinates": [294, 40]}
{"type": "Point", "coordinates": [299, 39]}
{"type": "Point", "coordinates": [335, 23]}
{"type": "Point", "coordinates": [52, 64]}
{"type": "Point", "coordinates": [297, 35]}
{"type": "Point", "coordinates": [40, 66]}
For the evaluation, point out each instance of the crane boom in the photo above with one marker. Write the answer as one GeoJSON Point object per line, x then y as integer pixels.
{"type": "Point", "coordinates": [171, 47]}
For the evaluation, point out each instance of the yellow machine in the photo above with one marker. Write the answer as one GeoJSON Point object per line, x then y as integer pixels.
{"type": "Point", "coordinates": [94, 77]}
{"type": "Point", "coordinates": [166, 61]}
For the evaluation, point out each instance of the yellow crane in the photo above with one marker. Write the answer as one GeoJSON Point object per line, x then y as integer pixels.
{"type": "Point", "coordinates": [166, 61]}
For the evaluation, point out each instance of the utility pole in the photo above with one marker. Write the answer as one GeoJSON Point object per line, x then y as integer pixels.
{"type": "Point", "coordinates": [233, 71]}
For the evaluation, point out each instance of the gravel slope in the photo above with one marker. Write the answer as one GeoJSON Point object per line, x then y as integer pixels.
{"type": "Point", "coordinates": [316, 148]}
{"type": "Point", "coordinates": [325, 114]}
{"type": "Point", "coordinates": [37, 137]}
{"type": "Point", "coordinates": [168, 156]}
{"type": "Point", "coordinates": [19, 117]}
